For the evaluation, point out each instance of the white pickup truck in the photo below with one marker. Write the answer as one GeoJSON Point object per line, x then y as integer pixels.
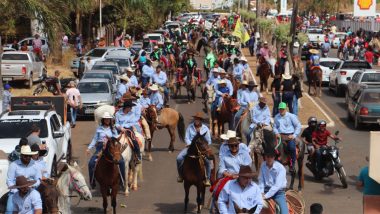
{"type": "Point", "coordinates": [315, 36]}
{"type": "Point", "coordinates": [21, 66]}
{"type": "Point", "coordinates": [49, 113]}
{"type": "Point", "coordinates": [363, 78]}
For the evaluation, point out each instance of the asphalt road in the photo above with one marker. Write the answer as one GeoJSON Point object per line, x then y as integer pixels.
{"type": "Point", "coordinates": [160, 193]}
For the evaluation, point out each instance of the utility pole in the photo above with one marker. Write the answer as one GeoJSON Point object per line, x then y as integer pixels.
{"type": "Point", "coordinates": [293, 29]}
{"type": "Point", "coordinates": [238, 9]}
{"type": "Point", "coordinates": [100, 18]}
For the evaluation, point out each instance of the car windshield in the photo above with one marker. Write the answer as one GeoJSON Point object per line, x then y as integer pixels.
{"type": "Point", "coordinates": [96, 52]}
{"type": "Point", "coordinates": [371, 97]}
{"type": "Point", "coordinates": [314, 31]}
{"type": "Point", "coordinates": [156, 38]}
{"type": "Point", "coordinates": [93, 75]}
{"type": "Point", "coordinates": [122, 62]}
{"type": "Point", "coordinates": [15, 57]}
{"type": "Point", "coordinates": [19, 128]}
{"type": "Point", "coordinates": [106, 67]}
{"type": "Point", "coordinates": [93, 87]}
{"type": "Point", "coordinates": [329, 64]}
{"type": "Point", "coordinates": [356, 65]}
{"type": "Point", "coordinates": [371, 77]}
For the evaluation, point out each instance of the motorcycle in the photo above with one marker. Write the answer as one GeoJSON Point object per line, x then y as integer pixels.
{"type": "Point", "coordinates": [49, 83]}
{"type": "Point", "coordinates": [330, 163]}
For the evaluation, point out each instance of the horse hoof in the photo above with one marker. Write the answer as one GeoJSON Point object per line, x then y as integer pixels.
{"type": "Point", "coordinates": [150, 158]}
{"type": "Point", "coordinates": [126, 194]}
{"type": "Point", "coordinates": [134, 188]}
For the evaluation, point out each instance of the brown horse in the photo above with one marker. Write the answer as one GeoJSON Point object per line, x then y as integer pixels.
{"type": "Point", "coordinates": [194, 172]}
{"type": "Point", "coordinates": [107, 172]}
{"type": "Point", "coordinates": [315, 80]}
{"type": "Point", "coordinates": [169, 119]}
{"type": "Point", "coordinates": [226, 114]}
{"type": "Point", "coordinates": [49, 195]}
{"type": "Point", "coordinates": [264, 73]}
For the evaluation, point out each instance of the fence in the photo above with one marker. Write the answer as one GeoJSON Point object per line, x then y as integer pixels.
{"type": "Point", "coordinates": [368, 25]}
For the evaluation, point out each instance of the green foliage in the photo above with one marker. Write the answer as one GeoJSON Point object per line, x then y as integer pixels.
{"type": "Point", "coordinates": [245, 14]}
{"type": "Point", "coordinates": [302, 38]}
{"type": "Point", "coordinates": [282, 33]}
{"type": "Point", "coordinates": [266, 25]}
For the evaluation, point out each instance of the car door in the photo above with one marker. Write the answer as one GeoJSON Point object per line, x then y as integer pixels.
{"type": "Point", "coordinates": [57, 127]}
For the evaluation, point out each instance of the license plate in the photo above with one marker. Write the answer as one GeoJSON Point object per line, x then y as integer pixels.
{"type": "Point", "coordinates": [7, 78]}
{"type": "Point", "coordinates": [89, 111]}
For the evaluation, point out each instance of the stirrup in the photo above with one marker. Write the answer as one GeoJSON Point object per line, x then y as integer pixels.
{"type": "Point", "coordinates": [207, 182]}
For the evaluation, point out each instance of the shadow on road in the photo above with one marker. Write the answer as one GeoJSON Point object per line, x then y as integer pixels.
{"type": "Point", "coordinates": [174, 208]}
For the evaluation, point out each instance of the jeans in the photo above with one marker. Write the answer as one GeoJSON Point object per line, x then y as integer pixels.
{"type": "Point", "coordinates": [251, 49]}
{"type": "Point", "coordinates": [238, 116]}
{"type": "Point", "coordinates": [318, 156]}
{"type": "Point", "coordinates": [144, 81]}
{"type": "Point", "coordinates": [9, 209]}
{"type": "Point", "coordinates": [280, 199]}
{"type": "Point", "coordinates": [287, 97]}
{"type": "Point", "coordinates": [74, 112]}
{"type": "Point", "coordinates": [276, 101]}
{"type": "Point", "coordinates": [166, 94]}
{"type": "Point", "coordinates": [295, 105]}
{"type": "Point", "coordinates": [282, 65]}
{"type": "Point", "coordinates": [292, 150]}
{"type": "Point", "coordinates": [181, 158]}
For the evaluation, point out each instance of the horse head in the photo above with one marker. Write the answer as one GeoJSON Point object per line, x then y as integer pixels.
{"type": "Point", "coordinates": [200, 148]}
{"type": "Point", "coordinates": [49, 195]}
{"type": "Point", "coordinates": [269, 139]}
{"type": "Point", "coordinates": [152, 114]}
{"type": "Point", "coordinates": [112, 151]}
{"type": "Point", "coordinates": [210, 93]}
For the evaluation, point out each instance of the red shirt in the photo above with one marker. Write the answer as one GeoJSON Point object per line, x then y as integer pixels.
{"type": "Point", "coordinates": [369, 57]}
{"type": "Point", "coordinates": [321, 137]}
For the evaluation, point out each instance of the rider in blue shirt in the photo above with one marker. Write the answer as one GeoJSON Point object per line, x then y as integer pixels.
{"type": "Point", "coordinates": [132, 78]}
{"type": "Point", "coordinates": [147, 73]}
{"type": "Point", "coordinates": [156, 97]}
{"type": "Point", "coordinates": [238, 70]}
{"type": "Point", "coordinates": [246, 98]}
{"type": "Point", "coordinates": [260, 116]}
{"type": "Point", "coordinates": [160, 78]}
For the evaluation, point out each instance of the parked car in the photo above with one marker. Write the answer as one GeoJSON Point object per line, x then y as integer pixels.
{"type": "Point", "coordinates": [102, 74]}
{"type": "Point", "coordinates": [55, 131]}
{"type": "Point", "coordinates": [29, 41]}
{"type": "Point", "coordinates": [122, 62]}
{"type": "Point", "coordinates": [338, 77]}
{"type": "Point", "coordinates": [155, 37]}
{"type": "Point", "coordinates": [315, 36]}
{"type": "Point", "coordinates": [22, 66]}
{"type": "Point", "coordinates": [369, 77]}
{"type": "Point", "coordinates": [94, 93]}
{"type": "Point", "coordinates": [137, 46]}
{"type": "Point", "coordinates": [107, 65]}
{"type": "Point", "coordinates": [364, 106]}
{"type": "Point", "coordinates": [327, 65]}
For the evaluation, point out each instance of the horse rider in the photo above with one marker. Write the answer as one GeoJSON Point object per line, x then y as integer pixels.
{"type": "Point", "coordinates": [243, 88]}
{"type": "Point", "coordinates": [156, 97]}
{"type": "Point", "coordinates": [272, 180]}
{"type": "Point", "coordinates": [214, 78]}
{"type": "Point", "coordinates": [260, 116]}
{"type": "Point", "coordinates": [39, 161]}
{"type": "Point", "coordinates": [314, 58]}
{"type": "Point", "coordinates": [195, 127]}
{"type": "Point", "coordinates": [147, 73]}
{"type": "Point", "coordinates": [319, 139]}
{"type": "Point", "coordinates": [144, 99]}
{"type": "Point", "coordinates": [307, 135]}
{"type": "Point", "coordinates": [156, 54]}
{"type": "Point", "coordinates": [244, 62]}
{"type": "Point", "coordinates": [160, 79]}
{"type": "Point", "coordinates": [248, 98]}
{"type": "Point", "coordinates": [287, 127]}
{"type": "Point", "coordinates": [238, 70]}
{"type": "Point", "coordinates": [224, 147]}
{"type": "Point", "coordinates": [122, 87]}
{"type": "Point", "coordinates": [190, 65]}
{"type": "Point", "coordinates": [132, 78]}
{"type": "Point", "coordinates": [26, 199]}
{"type": "Point", "coordinates": [169, 50]}
{"type": "Point", "coordinates": [267, 54]}
{"type": "Point", "coordinates": [233, 50]}
{"type": "Point", "coordinates": [26, 167]}
{"type": "Point", "coordinates": [222, 91]}
{"type": "Point", "coordinates": [242, 193]}
{"type": "Point", "coordinates": [233, 158]}
{"type": "Point", "coordinates": [127, 123]}
{"type": "Point", "coordinates": [283, 56]}
{"type": "Point", "coordinates": [103, 133]}
{"type": "Point", "coordinates": [210, 61]}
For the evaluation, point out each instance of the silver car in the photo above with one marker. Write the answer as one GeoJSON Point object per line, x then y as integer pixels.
{"type": "Point", "coordinates": [94, 93]}
{"type": "Point", "coordinates": [102, 74]}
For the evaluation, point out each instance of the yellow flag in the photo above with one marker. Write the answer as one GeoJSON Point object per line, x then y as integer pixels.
{"type": "Point", "coordinates": [241, 32]}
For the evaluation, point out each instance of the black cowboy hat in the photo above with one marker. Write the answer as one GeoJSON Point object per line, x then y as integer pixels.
{"type": "Point", "coordinates": [36, 148]}
{"type": "Point", "coordinates": [128, 103]}
{"type": "Point", "coordinates": [252, 84]}
{"type": "Point", "coordinates": [21, 182]}
{"type": "Point", "coordinates": [269, 152]}
{"type": "Point", "coordinates": [246, 171]}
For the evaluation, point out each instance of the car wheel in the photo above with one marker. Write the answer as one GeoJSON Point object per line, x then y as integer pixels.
{"type": "Point", "coordinates": [357, 124]}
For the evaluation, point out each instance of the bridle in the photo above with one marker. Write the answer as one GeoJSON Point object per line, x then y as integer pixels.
{"type": "Point", "coordinates": [108, 153]}
{"type": "Point", "coordinates": [73, 185]}
{"type": "Point", "coordinates": [200, 154]}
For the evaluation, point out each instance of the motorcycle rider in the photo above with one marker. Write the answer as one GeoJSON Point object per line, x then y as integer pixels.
{"type": "Point", "coordinates": [307, 135]}
{"type": "Point", "coordinates": [326, 48]}
{"type": "Point", "coordinates": [319, 138]}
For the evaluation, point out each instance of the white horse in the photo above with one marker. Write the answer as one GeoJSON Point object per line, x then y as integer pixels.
{"type": "Point", "coordinates": [131, 169]}
{"type": "Point", "coordinates": [71, 180]}
{"type": "Point", "coordinates": [209, 99]}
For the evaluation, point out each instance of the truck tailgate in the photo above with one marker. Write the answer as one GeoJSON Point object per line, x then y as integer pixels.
{"type": "Point", "coordinates": [13, 68]}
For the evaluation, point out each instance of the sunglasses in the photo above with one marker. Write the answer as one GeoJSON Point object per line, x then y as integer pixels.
{"type": "Point", "coordinates": [233, 146]}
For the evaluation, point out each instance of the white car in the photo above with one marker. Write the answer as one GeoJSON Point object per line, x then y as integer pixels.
{"type": "Point", "coordinates": [155, 37]}
{"type": "Point", "coordinates": [339, 36]}
{"type": "Point", "coordinates": [327, 65]}
{"type": "Point", "coordinates": [342, 74]}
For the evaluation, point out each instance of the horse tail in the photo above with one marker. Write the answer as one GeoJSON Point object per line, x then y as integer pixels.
{"type": "Point", "coordinates": [181, 127]}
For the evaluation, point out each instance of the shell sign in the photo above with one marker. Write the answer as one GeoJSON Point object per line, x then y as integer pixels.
{"type": "Point", "coordinates": [364, 8]}
{"type": "Point", "coordinates": [365, 4]}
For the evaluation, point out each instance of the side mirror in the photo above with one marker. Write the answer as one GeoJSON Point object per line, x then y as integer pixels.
{"type": "Point", "coordinates": [336, 133]}
{"type": "Point", "coordinates": [58, 134]}
{"type": "Point", "coordinates": [348, 78]}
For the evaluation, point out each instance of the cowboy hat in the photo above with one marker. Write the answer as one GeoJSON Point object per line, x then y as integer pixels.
{"type": "Point", "coordinates": [287, 76]}
{"type": "Point", "coordinates": [36, 148]}
{"type": "Point", "coordinates": [168, 41]}
{"type": "Point", "coordinates": [228, 135]}
{"type": "Point", "coordinates": [107, 115]}
{"type": "Point", "coordinates": [215, 70]}
{"type": "Point", "coordinates": [246, 171]}
{"type": "Point", "coordinates": [184, 41]}
{"type": "Point", "coordinates": [222, 82]}
{"type": "Point", "coordinates": [25, 150]}
{"type": "Point", "coordinates": [314, 51]}
{"type": "Point", "coordinates": [128, 104]}
{"type": "Point", "coordinates": [243, 59]}
{"type": "Point", "coordinates": [199, 115]}
{"type": "Point", "coordinates": [21, 182]}
{"type": "Point", "coordinates": [245, 82]}
{"type": "Point", "coordinates": [155, 47]}
{"type": "Point", "coordinates": [129, 69]}
{"type": "Point", "coordinates": [252, 83]}
{"type": "Point", "coordinates": [124, 77]}
{"type": "Point", "coordinates": [265, 42]}
{"type": "Point", "coordinates": [154, 87]}
{"type": "Point", "coordinates": [128, 96]}
{"type": "Point", "coordinates": [232, 43]}
{"type": "Point", "coordinates": [283, 45]}
{"type": "Point", "coordinates": [222, 71]}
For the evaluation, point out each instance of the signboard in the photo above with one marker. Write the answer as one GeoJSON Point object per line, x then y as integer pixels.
{"type": "Point", "coordinates": [374, 157]}
{"type": "Point", "coordinates": [283, 6]}
{"type": "Point", "coordinates": [364, 8]}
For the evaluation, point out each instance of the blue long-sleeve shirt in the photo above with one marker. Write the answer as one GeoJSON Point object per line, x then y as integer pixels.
{"type": "Point", "coordinates": [30, 171]}
{"type": "Point", "coordinates": [229, 85]}
{"type": "Point", "coordinates": [238, 71]}
{"type": "Point", "coordinates": [144, 101]}
{"type": "Point", "coordinates": [157, 100]}
{"type": "Point", "coordinates": [133, 81]}
{"type": "Point", "coordinates": [248, 198]}
{"type": "Point", "coordinates": [123, 120]}
{"type": "Point", "coordinates": [231, 163]}
{"type": "Point", "coordinates": [121, 90]}
{"type": "Point", "coordinates": [41, 164]}
{"type": "Point", "coordinates": [287, 124]}
{"type": "Point", "coordinates": [147, 71]}
{"type": "Point", "coordinates": [248, 97]}
{"type": "Point", "coordinates": [273, 178]}
{"type": "Point", "coordinates": [191, 132]}
{"type": "Point", "coordinates": [160, 78]}
{"type": "Point", "coordinates": [260, 115]}
{"type": "Point", "coordinates": [101, 135]}
{"type": "Point", "coordinates": [213, 81]}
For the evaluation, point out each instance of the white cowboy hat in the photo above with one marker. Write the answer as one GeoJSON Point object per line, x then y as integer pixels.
{"type": "Point", "coordinates": [25, 150]}
{"type": "Point", "coordinates": [184, 41]}
{"type": "Point", "coordinates": [287, 76]}
{"type": "Point", "coordinates": [71, 84]}
{"type": "Point", "coordinates": [124, 77]}
{"type": "Point", "coordinates": [222, 71]}
{"type": "Point", "coordinates": [215, 70]}
{"type": "Point", "coordinates": [129, 69]}
{"type": "Point", "coordinates": [107, 115]}
{"type": "Point", "coordinates": [245, 82]}
{"type": "Point", "coordinates": [222, 82]}
{"type": "Point", "coordinates": [153, 87]}
{"type": "Point", "coordinates": [265, 43]}
{"type": "Point", "coordinates": [228, 135]}
{"type": "Point", "coordinates": [232, 43]}
{"type": "Point", "coordinates": [243, 59]}
{"type": "Point", "coordinates": [314, 51]}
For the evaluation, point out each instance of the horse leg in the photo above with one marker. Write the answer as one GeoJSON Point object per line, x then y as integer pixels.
{"type": "Point", "coordinates": [171, 130]}
{"type": "Point", "coordinates": [113, 198]}
{"type": "Point", "coordinates": [199, 198]}
{"type": "Point", "coordinates": [135, 171]}
{"type": "Point", "coordinates": [300, 173]}
{"type": "Point", "coordinates": [104, 191]}
{"type": "Point", "coordinates": [186, 186]}
{"type": "Point", "coordinates": [292, 176]}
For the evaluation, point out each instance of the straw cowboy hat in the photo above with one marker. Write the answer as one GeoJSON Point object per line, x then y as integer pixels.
{"type": "Point", "coordinates": [222, 71]}
{"type": "Point", "coordinates": [199, 115]}
{"type": "Point", "coordinates": [228, 135]}
{"type": "Point", "coordinates": [124, 77]}
{"type": "Point", "coordinates": [232, 43]}
{"type": "Point", "coordinates": [314, 51]}
{"type": "Point", "coordinates": [245, 82]}
{"type": "Point", "coordinates": [252, 83]}
{"type": "Point", "coordinates": [128, 96]}
{"type": "Point", "coordinates": [129, 69]}
{"type": "Point", "coordinates": [184, 41]}
{"type": "Point", "coordinates": [287, 76]}
{"type": "Point", "coordinates": [222, 82]}
{"type": "Point", "coordinates": [246, 171]}
{"type": "Point", "coordinates": [25, 150]}
{"type": "Point", "coordinates": [107, 115]}
{"type": "Point", "coordinates": [21, 182]}
{"type": "Point", "coordinates": [153, 87]}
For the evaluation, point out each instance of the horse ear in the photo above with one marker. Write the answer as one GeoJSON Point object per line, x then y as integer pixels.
{"type": "Point", "coordinates": [75, 164]}
{"type": "Point", "coordinates": [61, 167]}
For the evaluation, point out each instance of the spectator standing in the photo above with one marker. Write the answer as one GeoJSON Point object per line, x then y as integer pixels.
{"type": "Point", "coordinates": [369, 56]}
{"type": "Point", "coordinates": [81, 68]}
{"type": "Point", "coordinates": [371, 191]}
{"type": "Point", "coordinates": [7, 98]}
{"type": "Point", "coordinates": [74, 101]}
{"type": "Point", "coordinates": [15, 45]}
{"type": "Point", "coordinates": [297, 93]}
{"type": "Point", "coordinates": [34, 136]}
{"type": "Point", "coordinates": [251, 44]}
{"type": "Point", "coordinates": [287, 91]}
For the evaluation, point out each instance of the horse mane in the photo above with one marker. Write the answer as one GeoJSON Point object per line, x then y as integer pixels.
{"type": "Point", "coordinates": [269, 139]}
